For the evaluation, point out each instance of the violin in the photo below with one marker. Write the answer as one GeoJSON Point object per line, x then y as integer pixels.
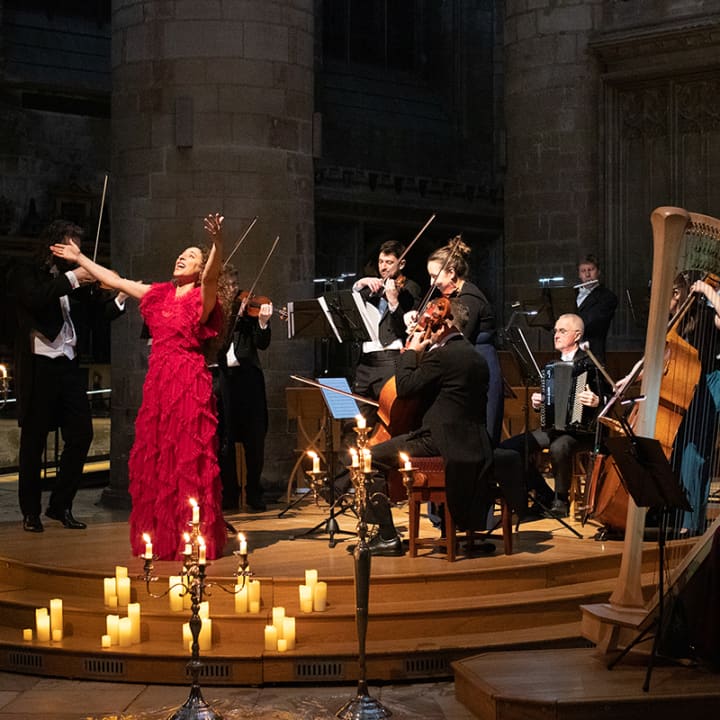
{"type": "Point", "coordinates": [251, 307]}
{"type": "Point", "coordinates": [433, 317]}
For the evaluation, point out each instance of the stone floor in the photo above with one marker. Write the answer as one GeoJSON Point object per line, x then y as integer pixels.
{"type": "Point", "coordinates": [24, 697]}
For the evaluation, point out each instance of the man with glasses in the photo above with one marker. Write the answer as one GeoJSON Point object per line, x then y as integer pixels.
{"type": "Point", "coordinates": [561, 444]}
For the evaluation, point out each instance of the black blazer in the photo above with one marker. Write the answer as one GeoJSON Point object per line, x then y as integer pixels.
{"type": "Point", "coordinates": [453, 381]}
{"type": "Point", "coordinates": [392, 324]}
{"type": "Point", "coordinates": [597, 311]}
{"type": "Point", "coordinates": [37, 297]}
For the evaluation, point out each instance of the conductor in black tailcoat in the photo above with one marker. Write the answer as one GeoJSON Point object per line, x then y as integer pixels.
{"type": "Point", "coordinates": [596, 305]}
{"type": "Point", "coordinates": [57, 307]}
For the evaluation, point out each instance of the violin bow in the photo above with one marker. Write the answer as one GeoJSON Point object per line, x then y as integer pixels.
{"type": "Point", "coordinates": [359, 398]}
{"type": "Point", "coordinates": [240, 241]}
{"type": "Point", "coordinates": [100, 217]}
{"type": "Point", "coordinates": [456, 243]}
{"type": "Point", "coordinates": [417, 237]}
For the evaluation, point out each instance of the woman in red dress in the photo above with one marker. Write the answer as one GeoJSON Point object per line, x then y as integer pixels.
{"type": "Point", "coordinates": [174, 457]}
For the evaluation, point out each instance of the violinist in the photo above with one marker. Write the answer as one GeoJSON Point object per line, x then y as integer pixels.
{"type": "Point", "coordinates": [243, 401]}
{"type": "Point", "coordinates": [441, 365]}
{"type": "Point", "coordinates": [387, 298]}
{"type": "Point", "coordinates": [448, 270]}
{"type": "Point", "coordinates": [57, 308]}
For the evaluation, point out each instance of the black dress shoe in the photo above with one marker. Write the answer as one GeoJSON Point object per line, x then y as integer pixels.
{"type": "Point", "coordinates": [383, 548]}
{"type": "Point", "coordinates": [32, 523]}
{"type": "Point", "coordinates": [66, 518]}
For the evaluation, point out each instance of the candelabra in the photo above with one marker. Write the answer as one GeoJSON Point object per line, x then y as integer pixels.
{"type": "Point", "coordinates": [363, 706]}
{"type": "Point", "coordinates": [195, 584]}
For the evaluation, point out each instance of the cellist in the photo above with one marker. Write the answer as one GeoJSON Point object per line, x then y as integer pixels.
{"type": "Point", "coordinates": [441, 365]}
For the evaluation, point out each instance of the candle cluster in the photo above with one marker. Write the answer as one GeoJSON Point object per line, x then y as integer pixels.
{"type": "Point", "coordinates": [116, 590]}
{"type": "Point", "coordinates": [247, 597]}
{"type": "Point", "coordinates": [280, 636]}
{"type": "Point", "coordinates": [313, 594]}
{"type": "Point", "coordinates": [48, 625]}
{"type": "Point", "coordinates": [205, 634]}
{"type": "Point", "coordinates": [123, 631]}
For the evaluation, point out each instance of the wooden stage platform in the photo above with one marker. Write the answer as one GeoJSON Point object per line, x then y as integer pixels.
{"type": "Point", "coordinates": [428, 617]}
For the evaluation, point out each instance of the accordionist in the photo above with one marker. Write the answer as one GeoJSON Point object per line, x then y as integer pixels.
{"type": "Point", "coordinates": [568, 410]}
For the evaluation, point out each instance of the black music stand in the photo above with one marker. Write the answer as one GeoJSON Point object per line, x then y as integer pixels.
{"type": "Point", "coordinates": [562, 300]}
{"type": "Point", "coordinates": [341, 407]}
{"type": "Point", "coordinates": [515, 339]}
{"type": "Point", "coordinates": [651, 482]}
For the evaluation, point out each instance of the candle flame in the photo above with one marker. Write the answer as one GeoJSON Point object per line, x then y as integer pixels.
{"type": "Point", "coordinates": [193, 502]}
{"type": "Point", "coordinates": [312, 454]}
{"type": "Point", "coordinates": [146, 538]}
{"type": "Point", "coordinates": [201, 541]}
{"type": "Point", "coordinates": [241, 537]}
{"type": "Point", "coordinates": [186, 537]}
{"type": "Point", "coordinates": [404, 457]}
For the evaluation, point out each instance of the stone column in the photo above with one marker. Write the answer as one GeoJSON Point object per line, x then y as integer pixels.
{"type": "Point", "coordinates": [551, 115]}
{"type": "Point", "coordinates": [212, 111]}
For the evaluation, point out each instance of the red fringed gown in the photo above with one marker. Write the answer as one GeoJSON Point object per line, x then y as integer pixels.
{"type": "Point", "coordinates": [174, 457]}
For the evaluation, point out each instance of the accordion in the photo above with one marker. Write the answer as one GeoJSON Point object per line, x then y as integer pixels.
{"type": "Point", "coordinates": [561, 383]}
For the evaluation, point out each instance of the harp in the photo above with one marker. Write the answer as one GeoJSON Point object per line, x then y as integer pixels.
{"type": "Point", "coordinates": [682, 240]}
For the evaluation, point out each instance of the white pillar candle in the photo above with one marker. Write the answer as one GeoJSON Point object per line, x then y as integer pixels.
{"type": "Point", "coordinates": [112, 625]}
{"type": "Point", "coordinates": [202, 552]}
{"type": "Point", "coordinates": [320, 597]}
{"type": "Point", "coordinates": [42, 624]}
{"type": "Point", "coordinates": [105, 641]}
{"type": "Point", "coordinates": [306, 599]}
{"type": "Point", "coordinates": [175, 590]}
{"type": "Point", "coordinates": [204, 611]}
{"type": "Point", "coordinates": [125, 632]}
{"type": "Point", "coordinates": [289, 632]}
{"type": "Point", "coordinates": [186, 635]}
{"type": "Point", "coordinates": [311, 577]}
{"type": "Point", "coordinates": [367, 460]}
{"type": "Point", "coordinates": [56, 618]}
{"type": "Point", "coordinates": [27, 634]}
{"type": "Point", "coordinates": [205, 637]}
{"type": "Point", "coordinates": [282, 645]}
{"type": "Point", "coordinates": [112, 601]}
{"type": "Point", "coordinates": [254, 607]}
{"type": "Point", "coordinates": [254, 594]}
{"type": "Point", "coordinates": [241, 599]}
{"type": "Point", "coordinates": [109, 589]}
{"type": "Point", "coordinates": [123, 591]}
{"type": "Point", "coordinates": [271, 637]}
{"type": "Point", "coordinates": [133, 611]}
{"type": "Point", "coordinates": [57, 635]}
{"type": "Point", "coordinates": [120, 572]}
{"type": "Point", "coordinates": [278, 613]}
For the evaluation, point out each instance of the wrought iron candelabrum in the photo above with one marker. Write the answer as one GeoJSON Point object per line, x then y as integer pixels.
{"type": "Point", "coordinates": [363, 706]}
{"type": "Point", "coordinates": [195, 584]}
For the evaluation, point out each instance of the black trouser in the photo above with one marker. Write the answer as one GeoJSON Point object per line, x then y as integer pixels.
{"type": "Point", "coordinates": [58, 400]}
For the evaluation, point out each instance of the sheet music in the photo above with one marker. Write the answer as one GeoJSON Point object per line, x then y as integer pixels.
{"type": "Point", "coordinates": [329, 318]}
{"type": "Point", "coordinates": [341, 407]}
{"type": "Point", "coordinates": [370, 316]}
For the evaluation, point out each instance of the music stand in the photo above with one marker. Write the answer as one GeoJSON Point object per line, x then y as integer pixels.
{"type": "Point", "coordinates": [341, 407]}
{"type": "Point", "coordinates": [529, 370]}
{"type": "Point", "coordinates": [562, 301]}
{"type": "Point", "coordinates": [651, 482]}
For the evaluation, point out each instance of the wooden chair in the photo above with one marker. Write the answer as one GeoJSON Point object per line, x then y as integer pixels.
{"type": "Point", "coordinates": [429, 486]}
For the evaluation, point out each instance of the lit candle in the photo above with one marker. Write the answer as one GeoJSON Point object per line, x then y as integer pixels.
{"type": "Point", "coordinates": [360, 422]}
{"type": "Point", "coordinates": [311, 577]}
{"type": "Point", "coordinates": [56, 635]}
{"type": "Point", "coordinates": [56, 618]}
{"type": "Point", "coordinates": [112, 625]}
{"type": "Point", "coordinates": [42, 625]}
{"type": "Point", "coordinates": [120, 572]}
{"type": "Point", "coordinates": [306, 599]}
{"type": "Point", "coordinates": [271, 637]}
{"type": "Point", "coordinates": [367, 461]}
{"type": "Point", "coordinates": [278, 613]}
{"type": "Point", "coordinates": [288, 633]}
{"type": "Point", "coordinates": [148, 547]}
{"type": "Point", "coordinates": [105, 641]}
{"type": "Point", "coordinates": [254, 594]}
{"type": "Point", "coordinates": [243, 544]}
{"type": "Point", "coordinates": [188, 546]}
{"type": "Point", "coordinates": [320, 597]}
{"type": "Point", "coordinates": [254, 606]}
{"type": "Point", "coordinates": [109, 588]}
{"type": "Point", "coordinates": [175, 589]}
{"type": "Point", "coordinates": [282, 645]}
{"type": "Point", "coordinates": [125, 632]}
{"type": "Point", "coordinates": [195, 512]}
{"type": "Point", "coordinates": [187, 635]}
{"type": "Point", "coordinates": [112, 601]}
{"type": "Point", "coordinates": [355, 460]}
{"type": "Point", "coordinates": [405, 460]}
{"type": "Point", "coordinates": [204, 610]}
{"type": "Point", "coordinates": [315, 461]}
{"type": "Point", "coordinates": [123, 591]}
{"type": "Point", "coordinates": [205, 636]}
{"type": "Point", "coordinates": [241, 599]}
{"type": "Point", "coordinates": [133, 610]}
{"type": "Point", "coordinates": [27, 634]}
